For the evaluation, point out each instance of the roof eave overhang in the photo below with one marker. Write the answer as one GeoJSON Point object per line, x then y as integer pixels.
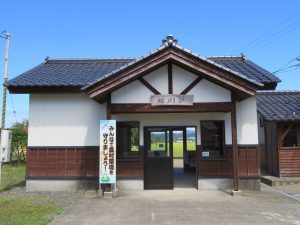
{"type": "Point", "coordinates": [242, 87]}
{"type": "Point", "coordinates": [43, 89]}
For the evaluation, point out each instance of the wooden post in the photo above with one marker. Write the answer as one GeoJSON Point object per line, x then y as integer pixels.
{"type": "Point", "coordinates": [235, 153]}
{"type": "Point", "coordinates": [108, 107]}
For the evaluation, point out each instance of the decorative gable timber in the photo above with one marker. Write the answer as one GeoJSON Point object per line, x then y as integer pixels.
{"type": "Point", "coordinates": [242, 86]}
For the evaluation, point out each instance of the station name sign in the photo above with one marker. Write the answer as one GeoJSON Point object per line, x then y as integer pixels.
{"type": "Point", "coordinates": [172, 100]}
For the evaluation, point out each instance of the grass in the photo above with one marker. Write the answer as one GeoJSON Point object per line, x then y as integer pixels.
{"type": "Point", "coordinates": [12, 176]}
{"type": "Point", "coordinates": [18, 207]}
{"type": "Point", "coordinates": [26, 211]}
{"type": "Point", "coordinates": [177, 148]}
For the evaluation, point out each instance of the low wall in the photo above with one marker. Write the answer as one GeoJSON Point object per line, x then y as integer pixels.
{"type": "Point", "coordinates": [289, 162]}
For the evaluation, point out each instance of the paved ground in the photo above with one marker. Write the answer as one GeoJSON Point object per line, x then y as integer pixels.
{"type": "Point", "coordinates": [292, 191]}
{"type": "Point", "coordinates": [184, 207]}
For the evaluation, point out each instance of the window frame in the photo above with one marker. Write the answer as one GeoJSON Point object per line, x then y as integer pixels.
{"type": "Point", "coordinates": [222, 157]}
{"type": "Point", "coordinates": [137, 153]}
{"type": "Point", "coordinates": [281, 131]}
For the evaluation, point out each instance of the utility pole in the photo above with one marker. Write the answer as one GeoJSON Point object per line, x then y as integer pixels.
{"type": "Point", "coordinates": [7, 37]}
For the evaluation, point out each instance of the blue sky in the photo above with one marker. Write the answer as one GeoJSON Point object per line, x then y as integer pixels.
{"type": "Point", "coordinates": [95, 29]}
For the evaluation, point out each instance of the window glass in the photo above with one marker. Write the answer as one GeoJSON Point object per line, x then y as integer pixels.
{"type": "Point", "coordinates": [212, 138]}
{"type": "Point", "coordinates": [127, 139]}
{"type": "Point", "coordinates": [159, 144]}
{"type": "Point", "coordinates": [191, 138]}
{"type": "Point", "coordinates": [289, 133]}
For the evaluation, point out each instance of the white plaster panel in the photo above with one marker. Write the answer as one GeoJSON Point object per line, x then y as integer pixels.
{"type": "Point", "coordinates": [177, 119]}
{"type": "Point", "coordinates": [159, 79]}
{"type": "Point", "coordinates": [64, 120]}
{"type": "Point", "coordinates": [181, 79]}
{"type": "Point", "coordinates": [206, 91]}
{"type": "Point", "coordinates": [134, 92]}
{"type": "Point", "coordinates": [246, 114]}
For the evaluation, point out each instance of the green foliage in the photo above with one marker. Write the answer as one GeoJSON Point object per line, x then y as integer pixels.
{"type": "Point", "coordinates": [19, 139]}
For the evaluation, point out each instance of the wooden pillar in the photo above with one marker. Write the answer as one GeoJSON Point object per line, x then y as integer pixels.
{"type": "Point", "coordinates": [235, 153]}
{"type": "Point", "coordinates": [108, 107]}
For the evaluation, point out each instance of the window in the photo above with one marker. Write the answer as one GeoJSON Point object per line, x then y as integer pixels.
{"type": "Point", "coordinates": [159, 144]}
{"type": "Point", "coordinates": [191, 138]}
{"type": "Point", "coordinates": [127, 139]}
{"type": "Point", "coordinates": [289, 135]}
{"type": "Point", "coordinates": [212, 139]}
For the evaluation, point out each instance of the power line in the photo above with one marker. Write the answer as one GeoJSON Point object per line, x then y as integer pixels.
{"type": "Point", "coordinates": [268, 42]}
{"type": "Point", "coordinates": [286, 69]}
{"type": "Point", "coordinates": [296, 58]}
{"type": "Point", "coordinates": [14, 111]}
{"type": "Point", "coordinates": [268, 33]}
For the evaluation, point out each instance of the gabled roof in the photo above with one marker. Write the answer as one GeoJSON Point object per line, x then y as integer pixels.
{"type": "Point", "coordinates": [279, 105]}
{"type": "Point", "coordinates": [163, 47]}
{"type": "Point", "coordinates": [79, 74]}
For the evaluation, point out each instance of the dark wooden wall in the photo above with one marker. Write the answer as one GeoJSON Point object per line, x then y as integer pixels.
{"type": "Point", "coordinates": [62, 162]}
{"type": "Point", "coordinates": [272, 160]}
{"type": "Point", "coordinates": [75, 162]}
{"type": "Point", "coordinates": [249, 163]}
{"type": "Point", "coordinates": [289, 161]}
{"type": "Point", "coordinates": [289, 157]}
{"type": "Point", "coordinates": [83, 162]}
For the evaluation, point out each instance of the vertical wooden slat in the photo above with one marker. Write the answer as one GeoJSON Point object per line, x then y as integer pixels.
{"type": "Point", "coordinates": [247, 160]}
{"type": "Point", "coordinates": [236, 181]}
{"type": "Point", "coordinates": [66, 160]}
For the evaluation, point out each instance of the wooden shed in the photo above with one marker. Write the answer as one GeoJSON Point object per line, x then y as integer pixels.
{"type": "Point", "coordinates": [279, 132]}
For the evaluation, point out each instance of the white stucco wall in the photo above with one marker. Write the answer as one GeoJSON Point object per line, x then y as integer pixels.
{"type": "Point", "coordinates": [159, 79]}
{"type": "Point", "coordinates": [206, 91]}
{"type": "Point", "coordinates": [135, 92]}
{"type": "Point", "coordinates": [246, 114]}
{"type": "Point", "coordinates": [181, 79]}
{"type": "Point", "coordinates": [64, 120]}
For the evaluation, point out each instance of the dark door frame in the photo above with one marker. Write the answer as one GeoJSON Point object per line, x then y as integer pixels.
{"type": "Point", "coordinates": [170, 142]}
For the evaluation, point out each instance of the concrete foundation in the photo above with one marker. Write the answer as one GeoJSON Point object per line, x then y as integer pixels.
{"type": "Point", "coordinates": [215, 183]}
{"type": "Point", "coordinates": [60, 185]}
{"type": "Point", "coordinates": [135, 184]}
{"type": "Point", "coordinates": [227, 184]}
{"type": "Point", "coordinates": [130, 184]}
{"type": "Point", "coordinates": [73, 185]}
{"type": "Point", "coordinates": [250, 184]}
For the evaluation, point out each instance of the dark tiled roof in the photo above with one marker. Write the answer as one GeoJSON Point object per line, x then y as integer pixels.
{"type": "Point", "coordinates": [81, 72]}
{"type": "Point", "coordinates": [246, 67]}
{"type": "Point", "coordinates": [279, 105]}
{"type": "Point", "coordinates": [70, 72]}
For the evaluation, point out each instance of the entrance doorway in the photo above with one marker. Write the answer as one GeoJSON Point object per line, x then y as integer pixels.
{"type": "Point", "coordinates": [170, 157]}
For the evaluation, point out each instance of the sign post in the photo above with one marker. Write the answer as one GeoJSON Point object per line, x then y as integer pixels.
{"type": "Point", "coordinates": [107, 156]}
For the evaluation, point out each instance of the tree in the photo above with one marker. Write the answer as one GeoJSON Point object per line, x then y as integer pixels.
{"type": "Point", "coordinates": [19, 140]}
